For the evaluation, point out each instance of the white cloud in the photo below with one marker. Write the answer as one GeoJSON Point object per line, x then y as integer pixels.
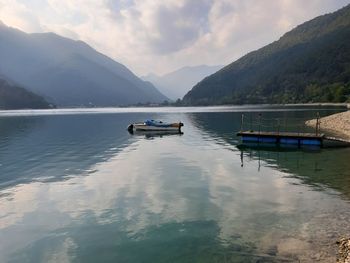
{"type": "Point", "coordinates": [160, 36]}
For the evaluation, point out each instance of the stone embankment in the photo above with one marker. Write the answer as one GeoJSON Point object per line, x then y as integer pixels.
{"type": "Point", "coordinates": [337, 124]}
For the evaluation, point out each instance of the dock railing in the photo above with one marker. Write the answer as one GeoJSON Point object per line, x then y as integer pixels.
{"type": "Point", "coordinates": [295, 125]}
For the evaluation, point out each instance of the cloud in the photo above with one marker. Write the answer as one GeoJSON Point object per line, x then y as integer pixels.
{"type": "Point", "coordinates": [160, 36]}
{"type": "Point", "coordinates": [178, 27]}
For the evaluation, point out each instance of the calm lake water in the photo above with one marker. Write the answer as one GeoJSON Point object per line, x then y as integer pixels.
{"type": "Point", "coordinates": [75, 186]}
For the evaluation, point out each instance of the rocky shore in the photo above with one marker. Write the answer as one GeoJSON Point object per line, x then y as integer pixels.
{"type": "Point", "coordinates": [337, 124]}
{"type": "Point", "coordinates": [344, 250]}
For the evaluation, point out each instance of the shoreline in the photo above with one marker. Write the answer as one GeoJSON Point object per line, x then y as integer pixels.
{"type": "Point", "coordinates": [316, 104]}
{"type": "Point", "coordinates": [336, 124]}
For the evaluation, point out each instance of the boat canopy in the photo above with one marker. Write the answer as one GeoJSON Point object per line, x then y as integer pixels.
{"type": "Point", "coordinates": [157, 123]}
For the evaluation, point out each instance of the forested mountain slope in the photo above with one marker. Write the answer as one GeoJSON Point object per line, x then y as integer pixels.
{"type": "Point", "coordinates": [311, 63]}
{"type": "Point", "coordinates": [14, 97]}
{"type": "Point", "coordinates": [68, 72]}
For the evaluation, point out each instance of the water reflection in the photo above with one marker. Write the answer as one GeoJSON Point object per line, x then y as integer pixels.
{"type": "Point", "coordinates": [58, 147]}
{"type": "Point", "coordinates": [198, 209]}
{"type": "Point", "coordinates": [316, 167]}
{"type": "Point", "coordinates": [328, 167]}
{"type": "Point", "coordinates": [154, 134]}
{"type": "Point", "coordinates": [169, 198]}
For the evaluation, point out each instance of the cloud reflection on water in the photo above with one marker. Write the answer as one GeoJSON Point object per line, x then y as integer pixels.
{"type": "Point", "coordinates": [188, 188]}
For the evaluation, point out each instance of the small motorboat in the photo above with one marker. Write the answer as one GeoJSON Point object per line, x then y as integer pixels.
{"type": "Point", "coordinates": [153, 125]}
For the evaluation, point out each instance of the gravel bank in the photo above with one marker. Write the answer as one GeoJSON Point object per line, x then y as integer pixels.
{"type": "Point", "coordinates": [344, 250]}
{"type": "Point", "coordinates": [337, 124]}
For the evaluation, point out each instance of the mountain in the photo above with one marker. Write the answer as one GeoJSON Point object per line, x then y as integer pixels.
{"type": "Point", "coordinates": [311, 63]}
{"type": "Point", "coordinates": [68, 72]}
{"type": "Point", "coordinates": [14, 97]}
{"type": "Point", "coordinates": [177, 83]}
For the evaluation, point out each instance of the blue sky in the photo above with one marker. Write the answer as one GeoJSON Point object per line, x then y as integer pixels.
{"type": "Point", "coordinates": [162, 35]}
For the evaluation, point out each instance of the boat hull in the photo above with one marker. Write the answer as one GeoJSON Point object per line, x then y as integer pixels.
{"type": "Point", "coordinates": [173, 127]}
{"type": "Point", "coordinates": [143, 127]}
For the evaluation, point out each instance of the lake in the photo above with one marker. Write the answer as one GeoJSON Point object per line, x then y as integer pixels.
{"type": "Point", "coordinates": [75, 186]}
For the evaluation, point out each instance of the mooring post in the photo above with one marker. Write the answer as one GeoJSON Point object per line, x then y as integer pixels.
{"type": "Point", "coordinates": [242, 121]}
{"type": "Point", "coordinates": [251, 121]}
{"type": "Point", "coordinates": [317, 123]}
{"type": "Point", "coordinates": [278, 139]}
{"type": "Point", "coordinates": [259, 123]}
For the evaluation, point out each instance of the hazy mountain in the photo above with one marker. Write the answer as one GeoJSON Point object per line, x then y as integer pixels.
{"type": "Point", "coordinates": [177, 83]}
{"type": "Point", "coordinates": [14, 97]}
{"type": "Point", "coordinates": [308, 64]}
{"type": "Point", "coordinates": [68, 72]}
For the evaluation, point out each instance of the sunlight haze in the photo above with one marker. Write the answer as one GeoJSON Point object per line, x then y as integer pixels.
{"type": "Point", "coordinates": [153, 36]}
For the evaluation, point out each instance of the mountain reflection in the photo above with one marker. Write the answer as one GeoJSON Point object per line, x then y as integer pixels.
{"type": "Point", "coordinates": [85, 190]}
{"type": "Point", "coordinates": [316, 167]}
{"type": "Point", "coordinates": [50, 148]}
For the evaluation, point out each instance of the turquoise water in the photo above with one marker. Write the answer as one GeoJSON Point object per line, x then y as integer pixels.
{"type": "Point", "coordinates": [75, 186]}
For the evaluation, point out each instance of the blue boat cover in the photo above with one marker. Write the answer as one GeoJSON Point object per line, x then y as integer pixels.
{"type": "Point", "coordinates": [157, 123]}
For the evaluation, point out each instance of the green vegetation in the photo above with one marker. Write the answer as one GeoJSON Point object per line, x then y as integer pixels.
{"type": "Point", "coordinates": [311, 63]}
{"type": "Point", "coordinates": [13, 97]}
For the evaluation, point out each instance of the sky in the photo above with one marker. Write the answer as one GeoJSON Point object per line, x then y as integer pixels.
{"type": "Point", "coordinates": [159, 36]}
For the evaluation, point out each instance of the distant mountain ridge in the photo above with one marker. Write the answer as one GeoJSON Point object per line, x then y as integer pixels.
{"type": "Point", "coordinates": [311, 63]}
{"type": "Point", "coordinates": [68, 72]}
{"type": "Point", "coordinates": [15, 97]}
{"type": "Point", "coordinates": [177, 83]}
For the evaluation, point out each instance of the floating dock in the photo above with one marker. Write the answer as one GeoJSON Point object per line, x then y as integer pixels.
{"type": "Point", "coordinates": [286, 138]}
{"type": "Point", "coordinates": [280, 138]}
